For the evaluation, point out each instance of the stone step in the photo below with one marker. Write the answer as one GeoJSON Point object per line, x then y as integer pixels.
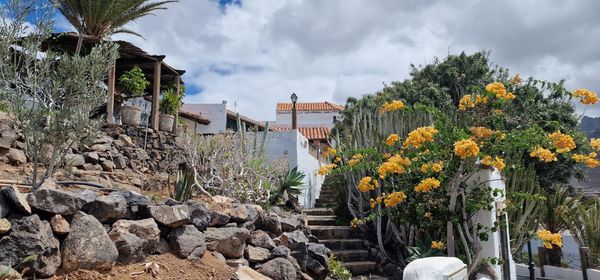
{"type": "Point", "coordinates": [324, 200]}
{"type": "Point", "coordinates": [369, 277]}
{"type": "Point", "coordinates": [361, 268]}
{"type": "Point", "coordinates": [323, 205]}
{"type": "Point", "coordinates": [352, 255]}
{"type": "Point", "coordinates": [343, 244]}
{"type": "Point", "coordinates": [321, 220]}
{"type": "Point", "coordinates": [333, 232]}
{"type": "Point", "coordinates": [318, 211]}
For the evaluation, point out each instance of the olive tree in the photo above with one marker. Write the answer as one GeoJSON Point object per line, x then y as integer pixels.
{"type": "Point", "coordinates": [51, 95]}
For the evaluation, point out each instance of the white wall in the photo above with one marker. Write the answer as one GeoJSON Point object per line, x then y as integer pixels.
{"type": "Point", "coordinates": [294, 147]}
{"type": "Point", "coordinates": [215, 113]}
{"type": "Point", "coordinates": [306, 119]}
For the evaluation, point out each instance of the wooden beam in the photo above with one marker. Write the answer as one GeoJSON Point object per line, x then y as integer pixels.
{"type": "Point", "coordinates": [155, 95]}
{"type": "Point", "coordinates": [178, 85]}
{"type": "Point", "coordinates": [110, 101]}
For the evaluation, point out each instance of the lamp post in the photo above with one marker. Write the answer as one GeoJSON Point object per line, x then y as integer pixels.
{"type": "Point", "coordinates": [294, 99]}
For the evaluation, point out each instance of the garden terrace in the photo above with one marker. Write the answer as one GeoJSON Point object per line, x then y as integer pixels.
{"type": "Point", "coordinates": [155, 69]}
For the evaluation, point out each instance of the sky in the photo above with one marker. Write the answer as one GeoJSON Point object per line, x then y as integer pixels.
{"type": "Point", "coordinates": [255, 53]}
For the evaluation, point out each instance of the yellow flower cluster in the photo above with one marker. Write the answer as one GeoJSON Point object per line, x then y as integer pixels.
{"type": "Point", "coordinates": [420, 136]}
{"type": "Point", "coordinates": [394, 199]}
{"type": "Point", "coordinates": [367, 184]}
{"type": "Point", "coordinates": [562, 142]}
{"type": "Point", "coordinates": [543, 154]}
{"type": "Point", "coordinates": [589, 160]}
{"type": "Point", "coordinates": [392, 139]}
{"type": "Point", "coordinates": [437, 245]}
{"type": "Point", "coordinates": [329, 152]}
{"type": "Point", "coordinates": [585, 96]}
{"type": "Point", "coordinates": [355, 222]}
{"type": "Point", "coordinates": [495, 162]}
{"type": "Point", "coordinates": [466, 148]}
{"type": "Point", "coordinates": [376, 201]}
{"type": "Point", "coordinates": [516, 79]}
{"type": "Point", "coordinates": [427, 185]}
{"type": "Point", "coordinates": [427, 215]}
{"type": "Point", "coordinates": [392, 106]}
{"type": "Point", "coordinates": [432, 167]}
{"type": "Point", "coordinates": [394, 165]}
{"type": "Point", "coordinates": [595, 143]}
{"type": "Point", "coordinates": [469, 101]}
{"type": "Point", "coordinates": [499, 90]}
{"type": "Point", "coordinates": [356, 159]}
{"type": "Point", "coordinates": [549, 238]}
{"type": "Point", "coordinates": [325, 169]}
{"type": "Point", "coordinates": [481, 132]}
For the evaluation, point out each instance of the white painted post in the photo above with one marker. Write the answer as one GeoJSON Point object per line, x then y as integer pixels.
{"type": "Point", "coordinates": [492, 247]}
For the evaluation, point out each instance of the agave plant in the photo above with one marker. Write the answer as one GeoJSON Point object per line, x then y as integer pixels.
{"type": "Point", "coordinates": [183, 185]}
{"type": "Point", "coordinates": [291, 183]}
{"type": "Point", "coordinates": [584, 224]}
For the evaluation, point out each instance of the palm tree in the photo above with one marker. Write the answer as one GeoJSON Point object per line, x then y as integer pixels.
{"type": "Point", "coordinates": [100, 18]}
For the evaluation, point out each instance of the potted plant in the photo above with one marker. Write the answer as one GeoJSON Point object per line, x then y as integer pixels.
{"type": "Point", "coordinates": [169, 106]}
{"type": "Point", "coordinates": [133, 83]}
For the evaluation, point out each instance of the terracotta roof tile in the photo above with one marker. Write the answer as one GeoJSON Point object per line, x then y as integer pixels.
{"type": "Point", "coordinates": [311, 133]}
{"type": "Point", "coordinates": [309, 106]}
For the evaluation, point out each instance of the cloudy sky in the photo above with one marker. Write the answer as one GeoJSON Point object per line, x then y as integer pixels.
{"type": "Point", "coordinates": [254, 53]}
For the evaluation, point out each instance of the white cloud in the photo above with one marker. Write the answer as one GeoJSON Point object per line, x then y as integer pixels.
{"type": "Point", "coordinates": [255, 54]}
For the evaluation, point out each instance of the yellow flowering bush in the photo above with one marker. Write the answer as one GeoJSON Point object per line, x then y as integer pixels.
{"type": "Point", "coordinates": [427, 185]}
{"type": "Point", "coordinates": [392, 106]}
{"type": "Point", "coordinates": [392, 139]}
{"type": "Point", "coordinates": [496, 162]}
{"type": "Point", "coordinates": [466, 148]}
{"type": "Point", "coordinates": [418, 137]}
{"type": "Point", "coordinates": [481, 132]}
{"type": "Point", "coordinates": [367, 184]}
{"type": "Point", "coordinates": [590, 160]}
{"type": "Point", "coordinates": [585, 96]}
{"type": "Point", "coordinates": [595, 143]}
{"type": "Point", "coordinates": [499, 90]}
{"type": "Point", "coordinates": [549, 239]}
{"type": "Point", "coordinates": [394, 165]}
{"type": "Point", "coordinates": [356, 159]}
{"type": "Point", "coordinates": [394, 199]}
{"type": "Point", "coordinates": [543, 154]}
{"type": "Point", "coordinates": [470, 101]}
{"type": "Point", "coordinates": [437, 245]}
{"type": "Point", "coordinates": [563, 143]}
{"type": "Point", "coordinates": [432, 167]}
{"type": "Point", "coordinates": [325, 169]}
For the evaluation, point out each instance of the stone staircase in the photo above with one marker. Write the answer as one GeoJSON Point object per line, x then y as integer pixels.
{"type": "Point", "coordinates": [344, 242]}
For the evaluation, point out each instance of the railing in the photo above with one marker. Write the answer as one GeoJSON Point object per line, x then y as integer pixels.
{"type": "Point", "coordinates": [546, 271]}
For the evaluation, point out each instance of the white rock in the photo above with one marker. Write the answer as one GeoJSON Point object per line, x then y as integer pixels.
{"type": "Point", "coordinates": [435, 268]}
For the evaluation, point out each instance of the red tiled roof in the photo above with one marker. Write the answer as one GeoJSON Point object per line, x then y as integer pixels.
{"type": "Point", "coordinates": [311, 133]}
{"type": "Point", "coordinates": [309, 106]}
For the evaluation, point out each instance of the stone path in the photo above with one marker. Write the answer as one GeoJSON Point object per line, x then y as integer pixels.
{"type": "Point", "coordinates": [344, 242]}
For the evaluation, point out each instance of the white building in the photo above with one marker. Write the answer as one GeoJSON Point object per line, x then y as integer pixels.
{"type": "Point", "coordinates": [309, 114]}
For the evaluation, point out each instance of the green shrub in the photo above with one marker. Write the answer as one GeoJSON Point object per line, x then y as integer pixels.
{"type": "Point", "coordinates": [170, 102]}
{"type": "Point", "coordinates": [133, 82]}
{"type": "Point", "coordinates": [337, 270]}
{"type": "Point", "coordinates": [292, 183]}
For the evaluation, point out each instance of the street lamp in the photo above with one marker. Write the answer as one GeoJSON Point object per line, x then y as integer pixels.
{"type": "Point", "coordinates": [294, 99]}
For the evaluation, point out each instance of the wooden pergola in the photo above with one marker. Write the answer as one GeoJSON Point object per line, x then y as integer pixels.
{"type": "Point", "coordinates": [157, 72]}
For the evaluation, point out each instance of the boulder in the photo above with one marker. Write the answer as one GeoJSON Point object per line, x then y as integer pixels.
{"type": "Point", "coordinates": [219, 199]}
{"type": "Point", "coordinates": [293, 239]}
{"type": "Point", "coordinates": [31, 236]}
{"type": "Point", "coordinates": [15, 198]}
{"type": "Point", "coordinates": [120, 162]}
{"type": "Point", "coordinates": [218, 219]}
{"type": "Point", "coordinates": [91, 157]}
{"type": "Point", "coordinates": [291, 223]}
{"type": "Point", "coordinates": [254, 211]}
{"type": "Point", "coordinates": [135, 240]}
{"type": "Point", "coordinates": [107, 208]}
{"type": "Point", "coordinates": [7, 138]}
{"type": "Point", "coordinates": [316, 269]}
{"type": "Point", "coordinates": [280, 252]}
{"type": "Point", "coordinates": [300, 253]}
{"type": "Point", "coordinates": [126, 140]}
{"type": "Point", "coordinates": [107, 165]}
{"type": "Point", "coordinates": [4, 206]}
{"type": "Point", "coordinates": [320, 253]}
{"type": "Point", "coordinates": [228, 241]}
{"type": "Point", "coordinates": [269, 223]}
{"type": "Point", "coordinates": [88, 195]}
{"type": "Point", "coordinates": [199, 214]}
{"type": "Point", "coordinates": [261, 239]}
{"type": "Point", "coordinates": [134, 198]}
{"type": "Point", "coordinates": [247, 273]}
{"type": "Point", "coordinates": [170, 216]}
{"type": "Point", "coordinates": [279, 268]}
{"type": "Point", "coordinates": [237, 262]}
{"type": "Point", "coordinates": [4, 226]}
{"type": "Point", "coordinates": [163, 247]}
{"type": "Point", "coordinates": [59, 224]}
{"type": "Point", "coordinates": [56, 201]}
{"type": "Point", "coordinates": [74, 160]}
{"type": "Point", "coordinates": [187, 242]}
{"type": "Point", "coordinates": [15, 156]}
{"type": "Point", "coordinates": [238, 213]}
{"type": "Point", "coordinates": [219, 256]}
{"type": "Point", "coordinates": [256, 254]}
{"type": "Point", "coordinates": [87, 246]}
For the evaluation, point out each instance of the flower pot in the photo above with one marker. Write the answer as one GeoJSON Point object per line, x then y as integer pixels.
{"type": "Point", "coordinates": [131, 115]}
{"type": "Point", "coordinates": [165, 122]}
